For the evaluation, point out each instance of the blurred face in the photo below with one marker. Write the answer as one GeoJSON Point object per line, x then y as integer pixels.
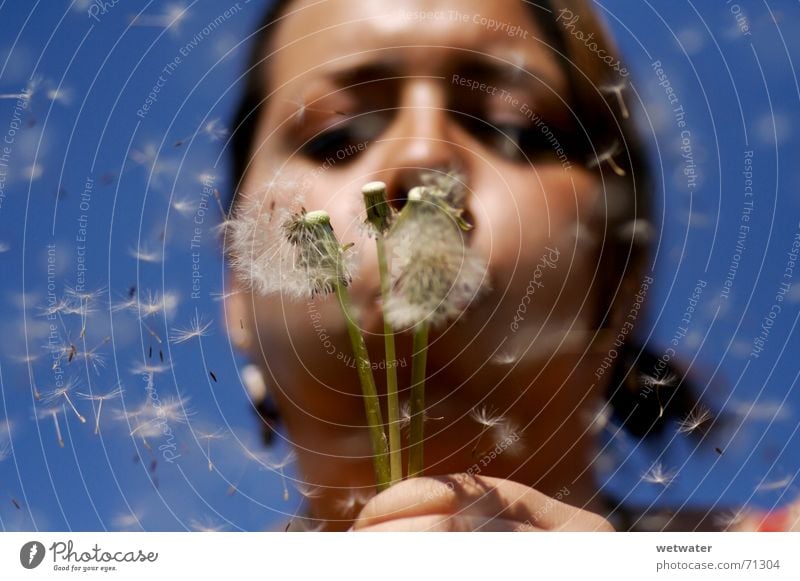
{"type": "Point", "coordinates": [383, 90]}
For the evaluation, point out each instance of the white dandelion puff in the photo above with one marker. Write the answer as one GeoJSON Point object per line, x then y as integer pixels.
{"type": "Point", "coordinates": [435, 274]}
{"type": "Point", "coordinates": [197, 328]}
{"type": "Point", "coordinates": [278, 249]}
{"type": "Point", "coordinates": [657, 474]}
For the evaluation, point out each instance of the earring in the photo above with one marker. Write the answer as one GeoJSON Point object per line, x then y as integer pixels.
{"type": "Point", "coordinates": [256, 386]}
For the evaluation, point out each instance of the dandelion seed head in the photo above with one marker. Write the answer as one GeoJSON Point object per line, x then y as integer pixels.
{"type": "Point", "coordinates": [435, 274]}
{"type": "Point", "coordinates": [278, 247]}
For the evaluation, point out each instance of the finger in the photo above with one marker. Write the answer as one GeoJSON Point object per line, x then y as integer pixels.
{"type": "Point", "coordinates": [445, 523]}
{"type": "Point", "coordinates": [467, 495]}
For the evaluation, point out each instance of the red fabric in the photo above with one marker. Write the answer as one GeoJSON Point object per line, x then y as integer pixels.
{"type": "Point", "coordinates": [773, 522]}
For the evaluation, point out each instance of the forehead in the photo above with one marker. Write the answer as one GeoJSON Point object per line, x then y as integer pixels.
{"type": "Point", "coordinates": [423, 37]}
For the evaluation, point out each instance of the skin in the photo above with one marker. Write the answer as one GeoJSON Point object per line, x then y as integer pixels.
{"type": "Point", "coordinates": [519, 209]}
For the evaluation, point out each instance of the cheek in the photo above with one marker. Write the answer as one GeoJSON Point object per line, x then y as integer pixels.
{"type": "Point", "coordinates": [529, 235]}
{"type": "Point", "coordinates": [535, 212]}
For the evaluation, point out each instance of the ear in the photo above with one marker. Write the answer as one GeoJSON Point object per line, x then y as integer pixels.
{"type": "Point", "coordinates": [239, 316]}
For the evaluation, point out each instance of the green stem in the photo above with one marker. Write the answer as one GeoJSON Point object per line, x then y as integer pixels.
{"type": "Point", "coordinates": [371, 404]}
{"type": "Point", "coordinates": [417, 430]}
{"type": "Point", "coordinates": [393, 400]}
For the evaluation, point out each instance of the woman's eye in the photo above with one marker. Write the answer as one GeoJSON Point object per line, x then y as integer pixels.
{"type": "Point", "coordinates": [521, 141]}
{"type": "Point", "coordinates": [330, 143]}
{"type": "Point", "coordinates": [345, 140]}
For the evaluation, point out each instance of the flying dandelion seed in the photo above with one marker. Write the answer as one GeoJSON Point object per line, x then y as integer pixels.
{"type": "Point", "coordinates": [487, 419]}
{"type": "Point", "coordinates": [4, 247]}
{"type": "Point", "coordinates": [206, 525]}
{"type": "Point", "coordinates": [128, 521]}
{"type": "Point", "coordinates": [657, 383]}
{"type": "Point", "coordinates": [63, 391]}
{"type": "Point", "coordinates": [60, 95]}
{"type": "Point", "coordinates": [405, 415]}
{"type": "Point", "coordinates": [143, 254]}
{"type": "Point", "coordinates": [657, 474]}
{"type": "Point", "coordinates": [150, 368]}
{"type": "Point", "coordinates": [151, 418]}
{"type": "Point", "coordinates": [307, 490]}
{"type": "Point", "coordinates": [184, 206]}
{"type": "Point", "coordinates": [197, 328]}
{"type": "Point", "coordinates": [617, 90]}
{"type": "Point", "coordinates": [694, 421]}
{"type": "Point", "coordinates": [84, 303]}
{"type": "Point", "coordinates": [277, 466]}
{"type": "Point", "coordinates": [353, 502]}
{"type": "Point", "coordinates": [213, 129]}
{"type": "Point", "coordinates": [730, 519]}
{"type": "Point", "coordinates": [607, 157]}
{"type": "Point", "coordinates": [51, 413]}
{"type": "Point", "coordinates": [781, 484]}
{"type": "Point", "coordinates": [111, 395]}
{"type": "Point", "coordinates": [171, 19]}
{"type": "Point", "coordinates": [208, 437]}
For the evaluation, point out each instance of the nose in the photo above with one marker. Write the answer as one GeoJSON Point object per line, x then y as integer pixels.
{"type": "Point", "coordinates": [421, 140]}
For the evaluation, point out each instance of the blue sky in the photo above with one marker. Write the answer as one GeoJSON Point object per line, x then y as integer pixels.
{"type": "Point", "coordinates": [111, 172]}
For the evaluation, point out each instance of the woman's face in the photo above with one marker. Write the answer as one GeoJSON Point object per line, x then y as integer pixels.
{"type": "Point", "coordinates": [386, 90]}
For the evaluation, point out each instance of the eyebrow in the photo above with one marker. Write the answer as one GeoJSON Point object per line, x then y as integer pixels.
{"type": "Point", "coordinates": [477, 65]}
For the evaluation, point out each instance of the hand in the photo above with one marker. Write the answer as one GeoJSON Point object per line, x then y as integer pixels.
{"type": "Point", "coordinates": [462, 502]}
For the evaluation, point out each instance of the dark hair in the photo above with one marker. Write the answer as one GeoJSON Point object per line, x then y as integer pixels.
{"type": "Point", "coordinates": [638, 407]}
